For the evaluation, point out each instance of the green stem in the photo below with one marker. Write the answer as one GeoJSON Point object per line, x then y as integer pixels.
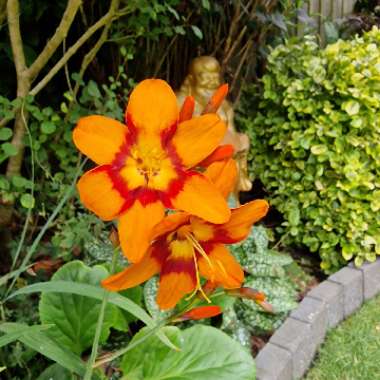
{"type": "Point", "coordinates": [131, 345]}
{"type": "Point", "coordinates": [28, 215]}
{"type": "Point", "coordinates": [95, 342]}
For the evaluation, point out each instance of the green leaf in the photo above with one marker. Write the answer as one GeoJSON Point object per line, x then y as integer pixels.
{"type": "Point", "coordinates": [197, 31]}
{"type": "Point", "coordinates": [12, 336]}
{"type": "Point", "coordinates": [206, 354]}
{"type": "Point", "coordinates": [5, 134]}
{"type": "Point", "coordinates": [42, 343]}
{"type": "Point", "coordinates": [27, 201]}
{"type": "Point", "coordinates": [56, 372]}
{"type": "Point", "coordinates": [206, 4]}
{"type": "Point", "coordinates": [318, 149]}
{"type": "Point", "coordinates": [74, 316]}
{"type": "Point", "coordinates": [93, 292]}
{"type": "Point", "coordinates": [351, 107]}
{"type": "Point", "coordinates": [9, 149]}
{"type": "Point", "coordinates": [294, 216]}
{"type": "Point", "coordinates": [93, 89]}
{"type": "Point", "coordinates": [48, 127]}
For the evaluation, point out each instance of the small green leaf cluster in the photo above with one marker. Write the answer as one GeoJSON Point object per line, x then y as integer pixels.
{"type": "Point", "coordinates": [315, 145]}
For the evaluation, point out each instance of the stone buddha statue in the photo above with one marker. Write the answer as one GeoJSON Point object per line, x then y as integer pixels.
{"type": "Point", "coordinates": [202, 81]}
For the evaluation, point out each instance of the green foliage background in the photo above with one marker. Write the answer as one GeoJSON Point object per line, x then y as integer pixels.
{"type": "Point", "coordinates": [315, 145]}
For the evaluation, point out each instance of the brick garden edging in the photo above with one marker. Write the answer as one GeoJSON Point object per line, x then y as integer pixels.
{"type": "Point", "coordinates": [291, 349]}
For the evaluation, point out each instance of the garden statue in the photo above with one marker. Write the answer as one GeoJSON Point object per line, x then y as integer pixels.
{"type": "Point", "coordinates": [203, 79]}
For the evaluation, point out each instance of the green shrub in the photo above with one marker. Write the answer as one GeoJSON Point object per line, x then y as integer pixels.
{"type": "Point", "coordinates": [315, 145]}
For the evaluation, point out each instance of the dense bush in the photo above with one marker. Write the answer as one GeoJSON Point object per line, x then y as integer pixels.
{"type": "Point", "coordinates": [315, 145]}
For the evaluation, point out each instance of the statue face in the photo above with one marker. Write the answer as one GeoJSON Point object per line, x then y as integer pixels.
{"type": "Point", "coordinates": [206, 74]}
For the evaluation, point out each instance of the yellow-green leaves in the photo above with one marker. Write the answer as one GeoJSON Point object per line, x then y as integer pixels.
{"type": "Point", "coordinates": [316, 145]}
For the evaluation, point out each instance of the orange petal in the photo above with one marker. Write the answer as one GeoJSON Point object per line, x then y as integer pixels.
{"type": "Point", "coordinates": [99, 138]}
{"type": "Point", "coordinates": [97, 193]}
{"type": "Point", "coordinates": [201, 312]}
{"type": "Point", "coordinates": [216, 99]}
{"type": "Point", "coordinates": [187, 109]}
{"type": "Point", "coordinates": [201, 198]}
{"type": "Point", "coordinates": [223, 174]}
{"type": "Point", "coordinates": [134, 275]}
{"type": "Point", "coordinates": [202, 230]}
{"type": "Point", "coordinates": [169, 223]}
{"type": "Point", "coordinates": [197, 138]}
{"type": "Point", "coordinates": [240, 223]}
{"type": "Point", "coordinates": [173, 287]}
{"type": "Point", "coordinates": [224, 268]}
{"type": "Point", "coordinates": [178, 276]}
{"type": "Point", "coordinates": [152, 106]}
{"type": "Point", "coordinates": [135, 228]}
{"type": "Point", "coordinates": [222, 152]}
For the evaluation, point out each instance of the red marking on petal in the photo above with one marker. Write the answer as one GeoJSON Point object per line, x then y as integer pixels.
{"type": "Point", "coordinates": [167, 134]}
{"type": "Point", "coordinates": [160, 250]}
{"type": "Point", "coordinates": [221, 235]}
{"type": "Point", "coordinates": [179, 265]}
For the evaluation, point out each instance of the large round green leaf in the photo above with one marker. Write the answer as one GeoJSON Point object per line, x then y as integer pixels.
{"type": "Point", "coordinates": [206, 354]}
{"type": "Point", "coordinates": [74, 316]}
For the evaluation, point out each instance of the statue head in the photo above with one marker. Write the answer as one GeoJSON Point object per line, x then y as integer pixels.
{"type": "Point", "coordinates": [203, 78]}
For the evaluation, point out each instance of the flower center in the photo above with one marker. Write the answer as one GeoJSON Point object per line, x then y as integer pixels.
{"type": "Point", "coordinates": [148, 165]}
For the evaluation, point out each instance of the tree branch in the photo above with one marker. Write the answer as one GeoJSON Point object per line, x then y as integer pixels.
{"type": "Point", "coordinates": [3, 11]}
{"type": "Point", "coordinates": [89, 57]}
{"type": "Point", "coordinates": [60, 33]}
{"type": "Point", "coordinates": [107, 18]}
{"type": "Point", "coordinates": [15, 36]}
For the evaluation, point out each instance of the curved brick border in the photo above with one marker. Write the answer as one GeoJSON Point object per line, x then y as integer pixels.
{"type": "Point", "coordinates": [291, 349]}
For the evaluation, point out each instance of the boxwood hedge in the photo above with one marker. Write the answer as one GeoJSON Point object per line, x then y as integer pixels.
{"type": "Point", "coordinates": [316, 145]}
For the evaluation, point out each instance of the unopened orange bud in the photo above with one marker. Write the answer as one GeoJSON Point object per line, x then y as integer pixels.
{"type": "Point", "coordinates": [222, 152]}
{"type": "Point", "coordinates": [114, 237]}
{"type": "Point", "coordinates": [187, 109]}
{"type": "Point", "coordinates": [201, 312]}
{"type": "Point", "coordinates": [254, 295]}
{"type": "Point", "coordinates": [216, 100]}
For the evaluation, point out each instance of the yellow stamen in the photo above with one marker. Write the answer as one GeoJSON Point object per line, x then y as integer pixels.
{"type": "Point", "coordinates": [199, 248]}
{"type": "Point", "coordinates": [190, 238]}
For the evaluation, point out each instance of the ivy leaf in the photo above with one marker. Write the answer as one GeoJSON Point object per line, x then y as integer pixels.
{"type": "Point", "coordinates": [74, 316]}
{"type": "Point", "coordinates": [9, 149]}
{"type": "Point", "coordinates": [206, 354]}
{"type": "Point", "coordinates": [5, 134]}
{"type": "Point", "coordinates": [48, 127]}
{"type": "Point", "coordinates": [27, 201]}
{"type": "Point", "coordinates": [197, 31]}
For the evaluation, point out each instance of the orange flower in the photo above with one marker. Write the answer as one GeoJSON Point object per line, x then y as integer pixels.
{"type": "Point", "coordinates": [186, 247]}
{"type": "Point", "coordinates": [145, 165]}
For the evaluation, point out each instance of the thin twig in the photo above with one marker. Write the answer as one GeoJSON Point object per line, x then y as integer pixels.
{"type": "Point", "coordinates": [60, 33]}
{"type": "Point", "coordinates": [107, 18]}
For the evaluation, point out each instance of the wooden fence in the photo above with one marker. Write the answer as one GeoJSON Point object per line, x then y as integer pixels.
{"type": "Point", "coordinates": [326, 10]}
